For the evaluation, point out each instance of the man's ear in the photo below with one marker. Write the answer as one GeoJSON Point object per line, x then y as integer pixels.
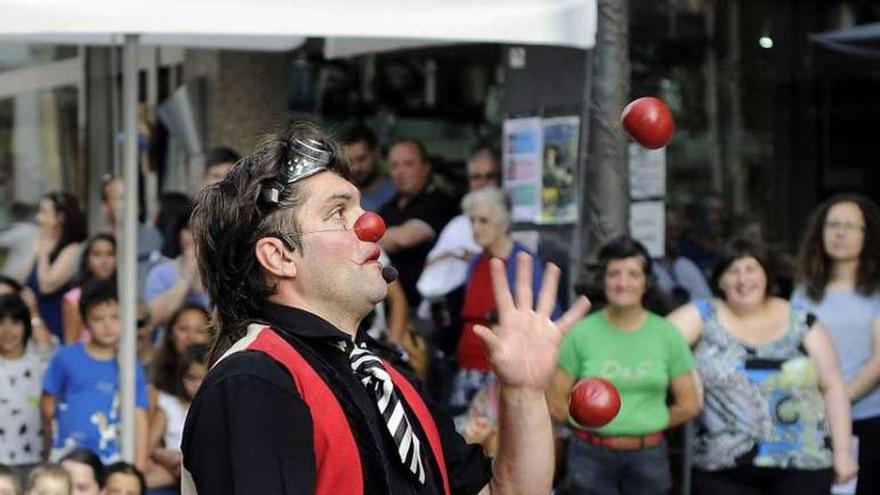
{"type": "Point", "coordinates": [275, 257]}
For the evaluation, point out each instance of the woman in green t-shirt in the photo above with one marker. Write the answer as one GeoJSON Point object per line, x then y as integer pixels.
{"type": "Point", "coordinates": [643, 356]}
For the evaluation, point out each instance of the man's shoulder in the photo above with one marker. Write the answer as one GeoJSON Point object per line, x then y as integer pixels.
{"type": "Point", "coordinates": [250, 365]}
{"type": "Point", "coordinates": [438, 199]}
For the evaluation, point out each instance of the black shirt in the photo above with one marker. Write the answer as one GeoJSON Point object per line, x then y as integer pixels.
{"type": "Point", "coordinates": [248, 430]}
{"type": "Point", "coordinates": [432, 207]}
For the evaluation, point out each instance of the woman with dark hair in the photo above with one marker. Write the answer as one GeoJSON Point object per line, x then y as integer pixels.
{"type": "Point", "coordinates": [645, 358]}
{"type": "Point", "coordinates": [773, 388]}
{"type": "Point", "coordinates": [839, 281]}
{"type": "Point", "coordinates": [86, 471]}
{"type": "Point", "coordinates": [21, 375]}
{"type": "Point", "coordinates": [98, 261]}
{"type": "Point", "coordinates": [187, 326]}
{"type": "Point", "coordinates": [56, 250]}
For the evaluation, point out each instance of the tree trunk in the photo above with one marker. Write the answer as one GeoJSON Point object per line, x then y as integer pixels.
{"type": "Point", "coordinates": [605, 198]}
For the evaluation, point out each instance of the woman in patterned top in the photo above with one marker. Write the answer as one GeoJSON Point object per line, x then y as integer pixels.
{"type": "Point", "coordinates": [773, 388]}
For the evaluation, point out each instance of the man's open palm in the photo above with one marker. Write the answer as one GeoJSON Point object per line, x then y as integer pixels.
{"type": "Point", "coordinates": [524, 345]}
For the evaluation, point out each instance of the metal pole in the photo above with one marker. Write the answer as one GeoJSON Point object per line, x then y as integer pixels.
{"type": "Point", "coordinates": [128, 253]}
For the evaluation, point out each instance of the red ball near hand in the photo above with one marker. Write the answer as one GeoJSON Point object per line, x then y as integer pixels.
{"type": "Point", "coordinates": [593, 402]}
{"type": "Point", "coordinates": [369, 227]}
{"type": "Point", "coordinates": [649, 121]}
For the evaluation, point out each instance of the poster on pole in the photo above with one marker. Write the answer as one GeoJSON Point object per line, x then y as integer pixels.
{"type": "Point", "coordinates": [647, 172]}
{"type": "Point", "coordinates": [522, 166]}
{"type": "Point", "coordinates": [647, 224]}
{"type": "Point", "coordinates": [559, 169]}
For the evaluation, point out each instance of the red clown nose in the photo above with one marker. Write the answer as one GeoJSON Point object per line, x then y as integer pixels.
{"type": "Point", "coordinates": [369, 227]}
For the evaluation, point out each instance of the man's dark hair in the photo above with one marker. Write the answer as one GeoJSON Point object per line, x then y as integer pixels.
{"type": "Point", "coordinates": [420, 147]}
{"type": "Point", "coordinates": [815, 264]}
{"type": "Point", "coordinates": [737, 249]}
{"type": "Point", "coordinates": [230, 217]}
{"type": "Point", "coordinates": [129, 469]}
{"type": "Point", "coordinates": [95, 292]}
{"type": "Point", "coordinates": [90, 459]}
{"type": "Point", "coordinates": [13, 306]}
{"type": "Point", "coordinates": [219, 156]}
{"type": "Point", "coordinates": [358, 133]}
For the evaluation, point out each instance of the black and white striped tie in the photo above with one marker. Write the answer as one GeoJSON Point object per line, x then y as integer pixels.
{"type": "Point", "coordinates": [375, 378]}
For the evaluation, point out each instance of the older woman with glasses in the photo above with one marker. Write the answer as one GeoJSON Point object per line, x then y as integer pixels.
{"type": "Point", "coordinates": [489, 211]}
{"type": "Point", "coordinates": [839, 282]}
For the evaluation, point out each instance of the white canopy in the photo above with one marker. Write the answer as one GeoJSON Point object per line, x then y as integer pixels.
{"type": "Point", "coordinates": [350, 27]}
{"type": "Point", "coordinates": [282, 24]}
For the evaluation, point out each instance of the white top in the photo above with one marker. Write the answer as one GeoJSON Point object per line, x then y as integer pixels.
{"type": "Point", "coordinates": [175, 411]}
{"type": "Point", "coordinates": [21, 382]}
{"type": "Point", "coordinates": [849, 318]}
{"type": "Point", "coordinates": [455, 244]}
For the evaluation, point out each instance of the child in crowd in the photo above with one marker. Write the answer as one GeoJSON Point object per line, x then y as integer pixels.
{"type": "Point", "coordinates": [21, 375]}
{"type": "Point", "coordinates": [124, 479]}
{"type": "Point", "coordinates": [187, 326]}
{"type": "Point", "coordinates": [98, 261]}
{"type": "Point", "coordinates": [48, 479]}
{"type": "Point", "coordinates": [166, 428]}
{"type": "Point", "coordinates": [8, 481]}
{"type": "Point", "coordinates": [86, 471]}
{"type": "Point", "coordinates": [80, 403]}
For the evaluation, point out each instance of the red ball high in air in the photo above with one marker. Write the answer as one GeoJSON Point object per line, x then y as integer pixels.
{"type": "Point", "coordinates": [369, 227]}
{"type": "Point", "coordinates": [649, 122]}
{"type": "Point", "coordinates": [593, 402]}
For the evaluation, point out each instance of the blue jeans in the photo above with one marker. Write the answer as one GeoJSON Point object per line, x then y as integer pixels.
{"type": "Point", "coordinates": [597, 470]}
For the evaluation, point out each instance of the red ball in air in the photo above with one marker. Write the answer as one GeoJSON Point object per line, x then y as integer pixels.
{"type": "Point", "coordinates": [369, 227]}
{"type": "Point", "coordinates": [649, 122]}
{"type": "Point", "coordinates": [593, 402]}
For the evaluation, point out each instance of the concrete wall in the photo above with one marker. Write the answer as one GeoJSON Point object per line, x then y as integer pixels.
{"type": "Point", "coordinates": [246, 94]}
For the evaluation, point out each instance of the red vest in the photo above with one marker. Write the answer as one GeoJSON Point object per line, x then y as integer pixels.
{"type": "Point", "coordinates": [337, 457]}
